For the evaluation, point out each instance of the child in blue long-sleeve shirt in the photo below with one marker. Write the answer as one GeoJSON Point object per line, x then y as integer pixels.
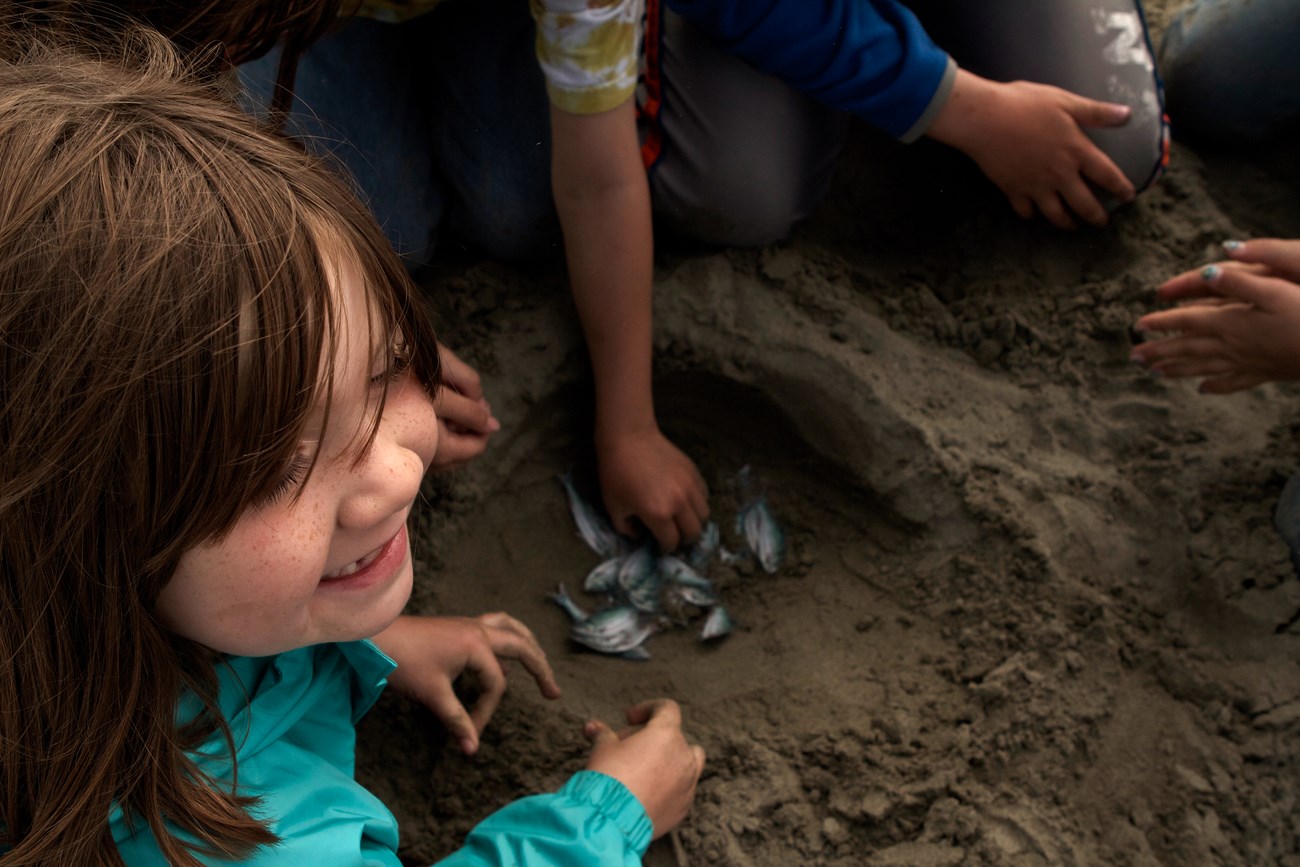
{"type": "Point", "coordinates": [216, 407]}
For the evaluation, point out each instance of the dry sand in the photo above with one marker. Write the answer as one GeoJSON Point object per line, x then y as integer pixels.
{"type": "Point", "coordinates": [1034, 611]}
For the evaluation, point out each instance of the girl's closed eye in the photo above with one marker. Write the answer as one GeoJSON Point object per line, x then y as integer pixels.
{"type": "Point", "coordinates": [399, 361]}
{"type": "Point", "coordinates": [295, 473]}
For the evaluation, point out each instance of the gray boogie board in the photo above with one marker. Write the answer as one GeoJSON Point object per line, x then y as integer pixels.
{"type": "Point", "coordinates": [1096, 48]}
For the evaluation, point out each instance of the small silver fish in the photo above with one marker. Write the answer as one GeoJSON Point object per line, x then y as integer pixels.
{"type": "Point", "coordinates": [604, 577]}
{"type": "Point", "coordinates": [636, 654]}
{"type": "Point", "coordinates": [678, 571]}
{"type": "Point", "coordinates": [702, 549]}
{"type": "Point", "coordinates": [562, 598]}
{"type": "Point", "coordinates": [593, 527]}
{"type": "Point", "coordinates": [730, 558]}
{"type": "Point", "coordinates": [700, 597]}
{"type": "Point", "coordinates": [614, 630]}
{"type": "Point", "coordinates": [717, 625]}
{"type": "Point", "coordinates": [638, 580]}
{"type": "Point", "coordinates": [763, 535]}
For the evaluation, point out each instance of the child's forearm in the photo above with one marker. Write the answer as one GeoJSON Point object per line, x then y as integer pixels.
{"type": "Point", "coordinates": [604, 205]}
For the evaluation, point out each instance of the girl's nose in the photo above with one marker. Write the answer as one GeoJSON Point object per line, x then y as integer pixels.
{"type": "Point", "coordinates": [388, 478]}
{"type": "Point", "coordinates": [385, 482]}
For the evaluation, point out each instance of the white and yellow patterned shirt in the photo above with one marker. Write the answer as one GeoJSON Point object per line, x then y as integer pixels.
{"type": "Point", "coordinates": [587, 48]}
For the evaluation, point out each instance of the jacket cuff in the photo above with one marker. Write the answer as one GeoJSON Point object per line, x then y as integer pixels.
{"type": "Point", "coordinates": [611, 799]}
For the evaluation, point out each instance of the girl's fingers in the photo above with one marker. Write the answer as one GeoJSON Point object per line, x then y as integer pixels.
{"type": "Point", "coordinates": [1177, 348]}
{"type": "Point", "coordinates": [1083, 201]}
{"type": "Point", "coordinates": [599, 733]}
{"type": "Point", "coordinates": [1247, 285]}
{"type": "Point", "coordinates": [1102, 171]}
{"type": "Point", "coordinates": [1054, 211]}
{"type": "Point", "coordinates": [662, 711]}
{"type": "Point", "coordinates": [1195, 367]}
{"type": "Point", "coordinates": [1231, 382]}
{"type": "Point", "coordinates": [458, 375]}
{"type": "Point", "coordinates": [491, 681]}
{"type": "Point", "coordinates": [1092, 112]}
{"type": "Point", "coordinates": [1280, 256]}
{"type": "Point", "coordinates": [1192, 284]}
{"type": "Point", "coordinates": [511, 639]}
{"type": "Point", "coordinates": [452, 714]}
{"type": "Point", "coordinates": [1023, 206]}
{"type": "Point", "coordinates": [1189, 319]}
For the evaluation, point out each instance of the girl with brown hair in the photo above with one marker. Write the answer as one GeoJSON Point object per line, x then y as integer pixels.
{"type": "Point", "coordinates": [215, 412]}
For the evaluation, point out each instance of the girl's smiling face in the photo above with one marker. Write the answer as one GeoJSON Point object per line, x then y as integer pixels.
{"type": "Point", "coordinates": [328, 560]}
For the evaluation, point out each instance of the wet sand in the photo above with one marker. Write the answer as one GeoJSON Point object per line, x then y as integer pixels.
{"type": "Point", "coordinates": [1033, 610]}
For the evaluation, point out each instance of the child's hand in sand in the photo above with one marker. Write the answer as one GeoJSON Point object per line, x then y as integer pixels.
{"type": "Point", "coordinates": [1239, 325]}
{"type": "Point", "coordinates": [645, 477]}
{"type": "Point", "coordinates": [431, 652]}
{"type": "Point", "coordinates": [653, 759]}
{"type": "Point", "coordinates": [465, 419]}
{"type": "Point", "coordinates": [1028, 139]}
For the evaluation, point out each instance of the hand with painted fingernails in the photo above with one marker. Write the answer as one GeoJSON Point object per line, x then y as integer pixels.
{"type": "Point", "coordinates": [1237, 322]}
{"type": "Point", "coordinates": [465, 420]}
{"type": "Point", "coordinates": [652, 758]}
{"type": "Point", "coordinates": [432, 652]}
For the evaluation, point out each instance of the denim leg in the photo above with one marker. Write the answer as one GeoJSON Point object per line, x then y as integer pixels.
{"type": "Point", "coordinates": [1230, 69]}
{"type": "Point", "coordinates": [491, 127]}
{"type": "Point", "coordinates": [358, 100]}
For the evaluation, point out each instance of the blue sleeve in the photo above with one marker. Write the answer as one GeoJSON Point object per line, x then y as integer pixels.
{"type": "Point", "coordinates": [868, 57]}
{"type": "Point", "coordinates": [593, 821]}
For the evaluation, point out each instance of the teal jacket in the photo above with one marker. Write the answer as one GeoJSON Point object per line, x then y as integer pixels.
{"type": "Point", "coordinates": [293, 716]}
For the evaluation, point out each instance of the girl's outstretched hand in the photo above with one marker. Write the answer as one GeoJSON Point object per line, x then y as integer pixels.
{"type": "Point", "coordinates": [465, 420]}
{"type": "Point", "coordinates": [431, 652]}
{"type": "Point", "coordinates": [653, 759]}
{"type": "Point", "coordinates": [1239, 323]}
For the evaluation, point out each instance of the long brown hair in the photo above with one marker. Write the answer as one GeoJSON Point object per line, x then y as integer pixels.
{"type": "Point", "coordinates": [166, 325]}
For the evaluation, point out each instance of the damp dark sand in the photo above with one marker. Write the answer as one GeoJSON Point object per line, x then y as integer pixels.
{"type": "Point", "coordinates": [1033, 610]}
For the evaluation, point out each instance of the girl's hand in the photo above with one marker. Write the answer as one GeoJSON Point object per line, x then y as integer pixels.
{"type": "Point", "coordinates": [645, 477]}
{"type": "Point", "coordinates": [465, 419]}
{"type": "Point", "coordinates": [653, 760]}
{"type": "Point", "coordinates": [1239, 325]}
{"type": "Point", "coordinates": [431, 652]}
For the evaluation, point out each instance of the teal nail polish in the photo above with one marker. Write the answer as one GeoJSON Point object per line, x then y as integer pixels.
{"type": "Point", "coordinates": [1210, 272]}
{"type": "Point", "coordinates": [1232, 246]}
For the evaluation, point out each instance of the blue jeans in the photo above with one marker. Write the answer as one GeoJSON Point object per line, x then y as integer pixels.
{"type": "Point", "coordinates": [1230, 69]}
{"type": "Point", "coordinates": [442, 123]}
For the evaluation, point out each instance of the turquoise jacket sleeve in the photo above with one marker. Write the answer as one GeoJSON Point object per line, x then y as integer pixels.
{"type": "Point", "coordinates": [593, 821]}
{"type": "Point", "coordinates": [868, 57]}
{"type": "Point", "coordinates": [292, 717]}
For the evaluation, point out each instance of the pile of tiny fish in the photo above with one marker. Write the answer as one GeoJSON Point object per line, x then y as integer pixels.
{"type": "Point", "coordinates": [646, 590]}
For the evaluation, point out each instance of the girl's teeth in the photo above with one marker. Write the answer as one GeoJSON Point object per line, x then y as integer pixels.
{"type": "Point", "coordinates": [355, 565]}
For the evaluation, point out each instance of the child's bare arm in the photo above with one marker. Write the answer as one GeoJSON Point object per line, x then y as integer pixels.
{"type": "Point", "coordinates": [604, 205]}
{"type": "Point", "coordinates": [431, 652]}
{"type": "Point", "coordinates": [1028, 139]}
{"type": "Point", "coordinates": [1240, 323]}
{"type": "Point", "coordinates": [654, 760]}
